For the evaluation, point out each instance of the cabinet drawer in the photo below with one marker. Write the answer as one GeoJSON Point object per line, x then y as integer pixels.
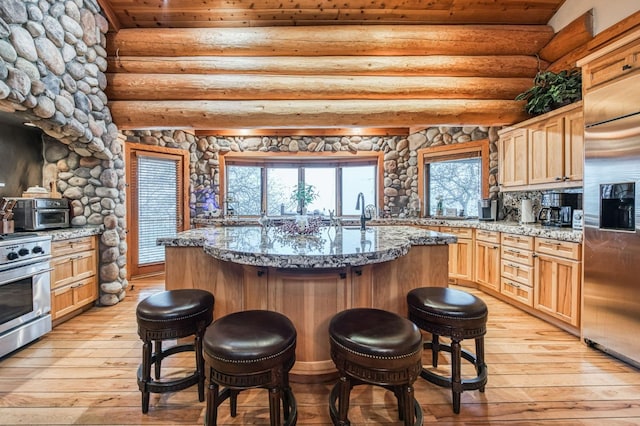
{"type": "Point", "coordinates": [517, 241]}
{"type": "Point", "coordinates": [511, 254]}
{"type": "Point", "coordinates": [488, 236]}
{"type": "Point", "coordinates": [619, 62]}
{"type": "Point", "coordinates": [517, 291]}
{"type": "Point", "coordinates": [517, 272]}
{"type": "Point", "coordinates": [74, 245]}
{"type": "Point", "coordinates": [558, 248]}
{"type": "Point", "coordinates": [73, 296]}
{"type": "Point", "coordinates": [459, 232]}
{"type": "Point", "coordinates": [74, 267]}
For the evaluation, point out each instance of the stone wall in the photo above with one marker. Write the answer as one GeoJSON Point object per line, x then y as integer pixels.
{"type": "Point", "coordinates": [52, 64]}
{"type": "Point", "coordinates": [400, 156]}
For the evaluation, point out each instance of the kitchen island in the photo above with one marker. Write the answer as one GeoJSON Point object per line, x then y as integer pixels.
{"type": "Point", "coordinates": [308, 278]}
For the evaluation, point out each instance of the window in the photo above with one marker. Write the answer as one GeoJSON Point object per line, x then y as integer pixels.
{"type": "Point", "coordinates": [455, 178]}
{"type": "Point", "coordinates": [254, 184]}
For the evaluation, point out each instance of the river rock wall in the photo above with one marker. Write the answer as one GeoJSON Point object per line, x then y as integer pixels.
{"type": "Point", "coordinates": [52, 65]}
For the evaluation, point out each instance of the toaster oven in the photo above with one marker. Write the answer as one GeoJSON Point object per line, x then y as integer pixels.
{"type": "Point", "coordinates": [35, 214]}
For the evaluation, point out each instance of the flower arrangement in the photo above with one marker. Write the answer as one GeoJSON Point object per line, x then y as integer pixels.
{"type": "Point", "coordinates": [303, 195]}
{"type": "Point", "coordinates": [294, 228]}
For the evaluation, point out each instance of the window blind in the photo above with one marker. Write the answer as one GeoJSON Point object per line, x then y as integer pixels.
{"type": "Point", "coordinates": [157, 205]}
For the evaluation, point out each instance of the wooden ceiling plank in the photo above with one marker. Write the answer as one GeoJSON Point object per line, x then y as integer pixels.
{"type": "Point", "coordinates": [126, 86]}
{"type": "Point", "coordinates": [461, 66]}
{"type": "Point", "coordinates": [572, 36]}
{"type": "Point", "coordinates": [313, 114]}
{"type": "Point", "coordinates": [381, 40]}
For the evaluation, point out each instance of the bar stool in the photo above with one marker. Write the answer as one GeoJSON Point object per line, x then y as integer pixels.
{"type": "Point", "coordinates": [251, 349]}
{"type": "Point", "coordinates": [168, 315]}
{"type": "Point", "coordinates": [376, 347]}
{"type": "Point", "coordinates": [458, 315]}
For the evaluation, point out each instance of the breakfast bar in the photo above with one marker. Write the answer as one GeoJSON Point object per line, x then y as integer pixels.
{"type": "Point", "coordinates": [309, 278]}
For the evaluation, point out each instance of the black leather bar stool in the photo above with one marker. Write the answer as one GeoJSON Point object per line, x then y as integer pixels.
{"type": "Point", "coordinates": [458, 315]}
{"type": "Point", "coordinates": [168, 315]}
{"type": "Point", "coordinates": [251, 349]}
{"type": "Point", "coordinates": [376, 347]}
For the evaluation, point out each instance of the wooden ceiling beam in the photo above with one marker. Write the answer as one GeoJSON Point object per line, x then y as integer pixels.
{"type": "Point", "coordinates": [248, 87]}
{"type": "Point", "coordinates": [579, 32]}
{"type": "Point", "coordinates": [313, 114]}
{"type": "Point", "coordinates": [111, 15]}
{"type": "Point", "coordinates": [461, 66]}
{"type": "Point", "coordinates": [377, 40]}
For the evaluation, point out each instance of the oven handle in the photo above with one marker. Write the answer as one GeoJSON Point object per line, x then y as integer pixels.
{"type": "Point", "coordinates": [51, 210]}
{"type": "Point", "coordinates": [33, 274]}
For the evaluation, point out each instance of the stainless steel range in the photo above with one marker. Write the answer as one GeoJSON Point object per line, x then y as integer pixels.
{"type": "Point", "coordinates": [25, 289]}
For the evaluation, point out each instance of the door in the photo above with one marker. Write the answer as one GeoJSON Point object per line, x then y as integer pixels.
{"type": "Point", "coordinates": [157, 203]}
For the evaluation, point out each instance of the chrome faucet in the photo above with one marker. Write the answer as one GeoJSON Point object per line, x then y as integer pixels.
{"type": "Point", "coordinates": [363, 217]}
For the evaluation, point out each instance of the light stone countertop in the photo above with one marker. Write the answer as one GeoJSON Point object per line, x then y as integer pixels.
{"type": "Point", "coordinates": [332, 247]}
{"type": "Point", "coordinates": [69, 233]}
{"type": "Point", "coordinates": [534, 230]}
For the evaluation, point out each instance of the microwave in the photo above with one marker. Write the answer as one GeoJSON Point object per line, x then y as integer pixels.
{"type": "Point", "coordinates": [35, 214]}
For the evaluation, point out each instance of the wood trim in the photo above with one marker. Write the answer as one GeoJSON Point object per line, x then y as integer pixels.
{"type": "Point", "coordinates": [572, 36]}
{"type": "Point", "coordinates": [131, 151]}
{"type": "Point", "coordinates": [110, 14]}
{"type": "Point", "coordinates": [481, 146]}
{"type": "Point", "coordinates": [342, 131]}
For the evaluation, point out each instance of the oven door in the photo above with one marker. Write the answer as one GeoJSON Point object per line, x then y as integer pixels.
{"type": "Point", "coordinates": [25, 294]}
{"type": "Point", "coordinates": [51, 218]}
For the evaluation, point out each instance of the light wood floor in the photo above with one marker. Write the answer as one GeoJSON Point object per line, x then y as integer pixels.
{"type": "Point", "coordinates": [84, 373]}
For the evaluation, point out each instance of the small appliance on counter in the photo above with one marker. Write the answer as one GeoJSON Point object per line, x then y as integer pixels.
{"type": "Point", "coordinates": [557, 208]}
{"type": "Point", "coordinates": [34, 214]}
{"type": "Point", "coordinates": [576, 223]}
{"type": "Point", "coordinates": [489, 209]}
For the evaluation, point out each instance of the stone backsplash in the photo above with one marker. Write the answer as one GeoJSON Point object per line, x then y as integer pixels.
{"type": "Point", "coordinates": [400, 184]}
{"type": "Point", "coordinates": [52, 65]}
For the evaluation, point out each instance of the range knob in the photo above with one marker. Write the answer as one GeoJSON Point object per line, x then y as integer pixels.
{"type": "Point", "coordinates": [37, 249]}
{"type": "Point", "coordinates": [12, 255]}
{"type": "Point", "coordinates": [23, 252]}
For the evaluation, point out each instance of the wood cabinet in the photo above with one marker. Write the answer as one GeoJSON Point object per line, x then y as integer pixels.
{"type": "Point", "coordinates": [513, 153]}
{"type": "Point", "coordinates": [487, 259]}
{"type": "Point", "coordinates": [621, 61]}
{"type": "Point", "coordinates": [543, 152]}
{"type": "Point", "coordinates": [516, 268]}
{"type": "Point", "coordinates": [74, 282]}
{"type": "Point", "coordinates": [558, 278]}
{"type": "Point", "coordinates": [460, 253]}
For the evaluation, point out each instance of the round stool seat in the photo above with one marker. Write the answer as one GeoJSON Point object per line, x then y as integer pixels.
{"type": "Point", "coordinates": [375, 335]}
{"type": "Point", "coordinates": [251, 349]}
{"type": "Point", "coordinates": [375, 347]}
{"type": "Point", "coordinates": [448, 308]}
{"type": "Point", "coordinates": [249, 340]}
{"type": "Point", "coordinates": [174, 310]}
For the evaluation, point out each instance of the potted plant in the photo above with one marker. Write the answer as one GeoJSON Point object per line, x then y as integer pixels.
{"type": "Point", "coordinates": [551, 91]}
{"type": "Point", "coordinates": [303, 195]}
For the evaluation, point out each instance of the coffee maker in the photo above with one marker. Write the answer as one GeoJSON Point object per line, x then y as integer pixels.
{"type": "Point", "coordinates": [557, 208]}
{"type": "Point", "coordinates": [489, 209]}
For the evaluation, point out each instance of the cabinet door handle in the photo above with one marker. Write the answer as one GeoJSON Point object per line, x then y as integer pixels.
{"type": "Point", "coordinates": [343, 275]}
{"type": "Point", "coordinates": [558, 178]}
{"type": "Point", "coordinates": [496, 247]}
{"type": "Point", "coordinates": [626, 67]}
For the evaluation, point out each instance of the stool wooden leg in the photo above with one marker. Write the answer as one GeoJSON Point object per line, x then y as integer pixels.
{"type": "Point", "coordinates": [286, 403]}
{"type": "Point", "coordinates": [456, 384]}
{"type": "Point", "coordinates": [343, 401]}
{"type": "Point", "coordinates": [407, 405]}
{"type": "Point", "coordinates": [158, 362]}
{"type": "Point", "coordinates": [435, 349]}
{"type": "Point", "coordinates": [211, 413]}
{"type": "Point", "coordinates": [146, 374]}
{"type": "Point", "coordinates": [199, 366]}
{"type": "Point", "coordinates": [275, 396]}
{"type": "Point", "coordinates": [233, 397]}
{"type": "Point", "coordinates": [480, 355]}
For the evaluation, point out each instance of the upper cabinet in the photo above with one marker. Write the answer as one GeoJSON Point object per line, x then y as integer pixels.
{"type": "Point", "coordinates": [621, 61]}
{"type": "Point", "coordinates": [543, 152]}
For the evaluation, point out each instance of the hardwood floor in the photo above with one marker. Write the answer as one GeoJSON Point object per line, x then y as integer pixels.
{"type": "Point", "coordinates": [84, 373]}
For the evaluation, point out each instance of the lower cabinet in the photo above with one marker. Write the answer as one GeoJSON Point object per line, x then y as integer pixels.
{"type": "Point", "coordinates": [558, 279]}
{"type": "Point", "coordinates": [74, 281]}
{"type": "Point", "coordinates": [516, 268]}
{"type": "Point", "coordinates": [487, 264]}
{"type": "Point", "coordinates": [460, 253]}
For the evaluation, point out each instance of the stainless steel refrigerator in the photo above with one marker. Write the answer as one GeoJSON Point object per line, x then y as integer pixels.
{"type": "Point", "coordinates": [611, 311]}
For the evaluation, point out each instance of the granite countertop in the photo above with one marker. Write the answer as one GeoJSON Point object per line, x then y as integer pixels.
{"type": "Point", "coordinates": [534, 230]}
{"type": "Point", "coordinates": [332, 247]}
{"type": "Point", "coordinates": [69, 233]}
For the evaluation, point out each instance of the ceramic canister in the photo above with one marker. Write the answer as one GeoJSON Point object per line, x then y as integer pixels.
{"type": "Point", "coordinates": [526, 212]}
